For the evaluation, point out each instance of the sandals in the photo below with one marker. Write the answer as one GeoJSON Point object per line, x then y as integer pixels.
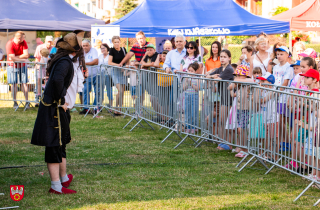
{"type": "Point", "coordinates": [241, 154]}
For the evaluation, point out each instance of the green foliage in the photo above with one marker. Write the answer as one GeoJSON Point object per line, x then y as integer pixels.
{"type": "Point", "coordinates": [316, 47]}
{"type": "Point", "coordinates": [279, 10]}
{"type": "Point", "coordinates": [259, 2]}
{"type": "Point", "coordinates": [125, 7]}
{"type": "Point", "coordinates": [45, 33]}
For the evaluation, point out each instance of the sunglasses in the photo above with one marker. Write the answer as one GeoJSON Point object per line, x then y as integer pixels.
{"type": "Point", "coordinates": [191, 48]}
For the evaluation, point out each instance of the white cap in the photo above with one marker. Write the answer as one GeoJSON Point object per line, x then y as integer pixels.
{"type": "Point", "coordinates": [49, 39]}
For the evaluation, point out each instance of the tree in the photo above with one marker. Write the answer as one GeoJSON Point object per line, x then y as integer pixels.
{"type": "Point", "coordinates": [125, 7]}
{"type": "Point", "coordinates": [279, 10]}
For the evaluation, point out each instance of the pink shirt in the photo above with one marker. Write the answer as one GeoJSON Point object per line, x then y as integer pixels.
{"type": "Point", "coordinates": [39, 48]}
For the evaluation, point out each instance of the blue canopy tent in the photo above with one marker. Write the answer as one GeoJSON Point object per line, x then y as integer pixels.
{"type": "Point", "coordinates": [163, 18]}
{"type": "Point", "coordinates": [45, 15]}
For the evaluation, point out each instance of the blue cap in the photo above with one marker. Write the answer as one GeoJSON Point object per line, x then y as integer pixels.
{"type": "Point", "coordinates": [297, 63]}
{"type": "Point", "coordinates": [269, 77]}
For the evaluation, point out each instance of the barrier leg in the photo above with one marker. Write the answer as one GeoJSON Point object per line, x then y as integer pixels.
{"type": "Point", "coordinates": [304, 191]}
{"type": "Point", "coordinates": [129, 122]}
{"type": "Point", "coordinates": [181, 142]}
{"type": "Point", "coordinates": [246, 163]}
{"type": "Point", "coordinates": [241, 161]}
{"type": "Point", "coordinates": [273, 166]}
{"type": "Point", "coordinates": [170, 135]}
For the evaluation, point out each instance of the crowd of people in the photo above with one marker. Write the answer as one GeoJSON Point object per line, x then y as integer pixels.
{"type": "Point", "coordinates": [262, 64]}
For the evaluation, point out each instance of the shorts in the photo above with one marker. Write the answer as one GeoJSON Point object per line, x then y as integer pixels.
{"type": "Point", "coordinates": [270, 130]}
{"type": "Point", "coordinates": [309, 146]}
{"type": "Point", "coordinates": [17, 75]}
{"type": "Point", "coordinates": [243, 118]}
{"type": "Point", "coordinates": [281, 108]}
{"type": "Point", "coordinates": [301, 135]}
{"type": "Point", "coordinates": [133, 90]}
{"type": "Point", "coordinates": [55, 154]}
{"type": "Point", "coordinates": [118, 76]}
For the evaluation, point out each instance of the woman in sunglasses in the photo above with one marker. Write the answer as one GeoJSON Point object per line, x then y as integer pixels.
{"type": "Point", "coordinates": [192, 56]}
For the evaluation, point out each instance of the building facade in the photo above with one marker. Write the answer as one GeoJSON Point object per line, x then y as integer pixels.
{"type": "Point", "coordinates": [265, 8]}
{"type": "Point", "coordinates": [100, 9]}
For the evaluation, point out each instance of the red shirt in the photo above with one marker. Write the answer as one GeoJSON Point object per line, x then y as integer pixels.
{"type": "Point", "coordinates": [139, 51]}
{"type": "Point", "coordinates": [16, 49]}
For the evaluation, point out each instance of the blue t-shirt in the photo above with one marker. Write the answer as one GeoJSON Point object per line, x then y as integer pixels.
{"type": "Point", "coordinates": [53, 50]}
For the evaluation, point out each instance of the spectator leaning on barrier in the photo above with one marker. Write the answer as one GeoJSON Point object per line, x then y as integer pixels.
{"type": "Point", "coordinates": [47, 44]}
{"type": "Point", "coordinates": [17, 51]}
{"type": "Point", "coordinates": [103, 60]}
{"type": "Point", "coordinates": [116, 55]}
{"type": "Point", "coordinates": [192, 56]}
{"type": "Point", "coordinates": [174, 57]}
{"type": "Point", "coordinates": [213, 62]}
{"type": "Point", "coordinates": [138, 49]}
{"type": "Point", "coordinates": [246, 56]}
{"type": "Point", "coordinates": [91, 59]}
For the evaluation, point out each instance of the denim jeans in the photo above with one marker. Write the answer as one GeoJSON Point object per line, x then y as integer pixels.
{"type": "Point", "coordinates": [191, 110]}
{"type": "Point", "coordinates": [108, 85]}
{"type": "Point", "coordinates": [94, 81]}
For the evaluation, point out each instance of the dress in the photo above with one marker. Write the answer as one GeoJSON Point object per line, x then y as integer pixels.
{"type": "Point", "coordinates": [51, 128]}
{"type": "Point", "coordinates": [263, 65]}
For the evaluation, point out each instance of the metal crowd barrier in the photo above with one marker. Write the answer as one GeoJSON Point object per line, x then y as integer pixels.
{"type": "Point", "coordinates": [277, 126]}
{"type": "Point", "coordinates": [22, 82]}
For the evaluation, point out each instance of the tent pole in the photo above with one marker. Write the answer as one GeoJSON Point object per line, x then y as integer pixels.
{"type": "Point", "coordinates": [7, 34]}
{"type": "Point", "coordinates": [290, 41]}
{"type": "Point", "coordinates": [200, 49]}
{"type": "Point", "coordinates": [127, 44]}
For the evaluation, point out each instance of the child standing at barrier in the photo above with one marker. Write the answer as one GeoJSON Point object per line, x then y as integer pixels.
{"type": "Point", "coordinates": [306, 63]}
{"type": "Point", "coordinates": [242, 107]}
{"type": "Point", "coordinates": [191, 86]}
{"type": "Point", "coordinates": [268, 110]}
{"type": "Point", "coordinates": [311, 78]}
{"type": "Point", "coordinates": [256, 72]}
{"type": "Point", "coordinates": [283, 73]}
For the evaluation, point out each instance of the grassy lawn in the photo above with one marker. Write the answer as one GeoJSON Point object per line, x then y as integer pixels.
{"type": "Point", "coordinates": [118, 169]}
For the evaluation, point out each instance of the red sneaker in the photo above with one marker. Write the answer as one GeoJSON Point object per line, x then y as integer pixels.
{"type": "Point", "coordinates": [64, 191]}
{"type": "Point", "coordinates": [67, 183]}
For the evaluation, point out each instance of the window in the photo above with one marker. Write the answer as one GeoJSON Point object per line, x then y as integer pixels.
{"type": "Point", "coordinates": [88, 7]}
{"type": "Point", "coordinates": [246, 4]}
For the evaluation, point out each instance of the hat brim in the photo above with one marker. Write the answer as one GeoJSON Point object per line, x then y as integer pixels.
{"type": "Point", "coordinates": [261, 78]}
{"type": "Point", "coordinates": [306, 55]}
{"type": "Point", "coordinates": [280, 49]}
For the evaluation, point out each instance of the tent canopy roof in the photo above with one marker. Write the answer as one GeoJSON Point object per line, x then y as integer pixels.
{"type": "Point", "coordinates": [161, 18]}
{"type": "Point", "coordinates": [43, 15]}
{"type": "Point", "coordinates": [304, 17]}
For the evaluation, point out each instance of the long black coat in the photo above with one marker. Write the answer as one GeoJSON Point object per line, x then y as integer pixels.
{"type": "Point", "coordinates": [46, 128]}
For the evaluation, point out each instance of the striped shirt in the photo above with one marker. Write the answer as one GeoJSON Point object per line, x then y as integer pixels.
{"type": "Point", "coordinates": [138, 51]}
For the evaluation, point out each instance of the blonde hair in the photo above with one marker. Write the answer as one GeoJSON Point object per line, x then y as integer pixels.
{"type": "Point", "coordinates": [44, 52]}
{"type": "Point", "coordinates": [140, 33]}
{"type": "Point", "coordinates": [115, 37]}
{"type": "Point", "coordinates": [294, 51]}
{"type": "Point", "coordinates": [167, 42]}
{"type": "Point", "coordinates": [258, 41]}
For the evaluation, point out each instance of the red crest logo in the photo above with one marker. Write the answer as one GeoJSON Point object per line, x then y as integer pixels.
{"type": "Point", "coordinates": [16, 192]}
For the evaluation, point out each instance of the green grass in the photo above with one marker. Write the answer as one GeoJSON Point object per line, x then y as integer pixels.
{"type": "Point", "coordinates": [118, 169]}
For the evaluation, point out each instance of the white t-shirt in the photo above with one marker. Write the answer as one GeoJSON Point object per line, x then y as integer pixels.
{"type": "Point", "coordinates": [269, 109]}
{"type": "Point", "coordinates": [201, 49]}
{"type": "Point", "coordinates": [75, 86]}
{"type": "Point", "coordinates": [103, 60]}
{"type": "Point", "coordinates": [282, 73]}
{"type": "Point", "coordinates": [90, 56]}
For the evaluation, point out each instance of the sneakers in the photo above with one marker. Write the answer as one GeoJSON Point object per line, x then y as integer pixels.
{"type": "Point", "coordinates": [15, 105]}
{"type": "Point", "coordinates": [74, 110]}
{"type": "Point", "coordinates": [63, 191]}
{"type": "Point", "coordinates": [67, 183]}
{"type": "Point", "coordinates": [84, 111]}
